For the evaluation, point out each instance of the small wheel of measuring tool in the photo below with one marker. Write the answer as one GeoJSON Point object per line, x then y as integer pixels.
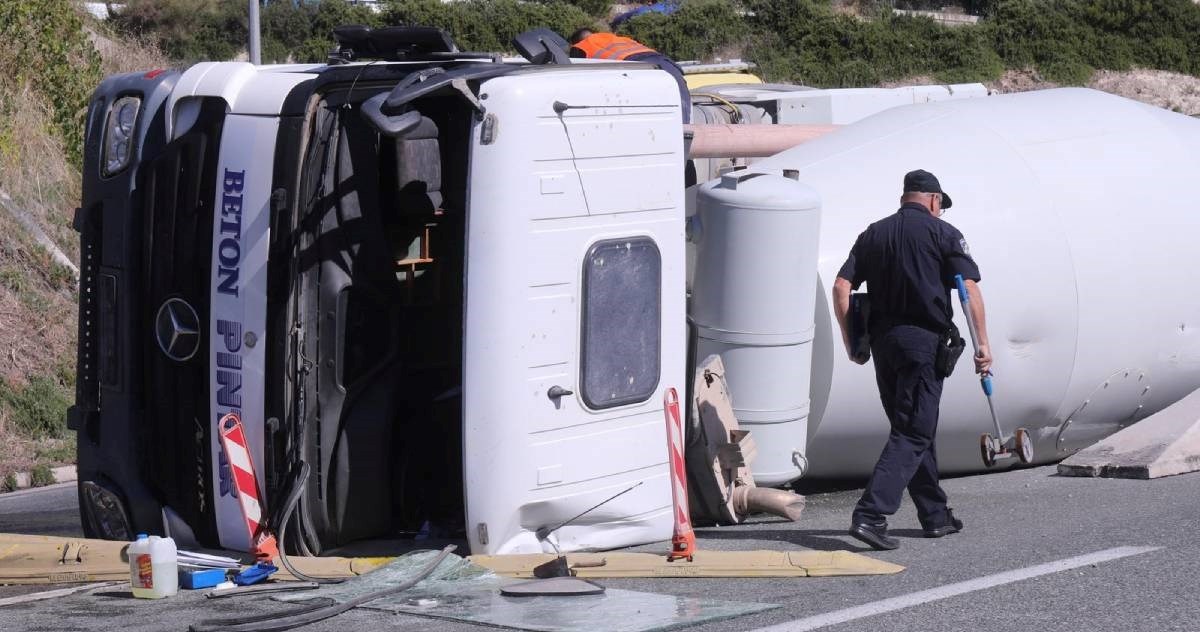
{"type": "Point", "coordinates": [1024, 445]}
{"type": "Point", "coordinates": [987, 449]}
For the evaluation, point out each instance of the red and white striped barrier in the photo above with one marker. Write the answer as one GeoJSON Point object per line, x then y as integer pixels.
{"type": "Point", "coordinates": [683, 541]}
{"type": "Point", "coordinates": [245, 480]}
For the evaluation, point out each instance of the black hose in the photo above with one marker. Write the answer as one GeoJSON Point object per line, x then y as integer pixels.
{"type": "Point", "coordinates": [219, 624]}
{"type": "Point", "coordinates": [277, 622]}
{"type": "Point", "coordinates": [289, 507]}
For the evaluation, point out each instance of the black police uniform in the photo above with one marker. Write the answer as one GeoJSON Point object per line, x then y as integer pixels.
{"type": "Point", "coordinates": [908, 261]}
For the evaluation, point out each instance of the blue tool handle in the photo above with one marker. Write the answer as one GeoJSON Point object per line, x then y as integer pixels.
{"type": "Point", "coordinates": [254, 574]}
{"type": "Point", "coordinates": [962, 288]}
{"type": "Point", "coordinates": [985, 381]}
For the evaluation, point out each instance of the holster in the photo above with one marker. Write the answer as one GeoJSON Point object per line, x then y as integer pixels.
{"type": "Point", "coordinates": [950, 347]}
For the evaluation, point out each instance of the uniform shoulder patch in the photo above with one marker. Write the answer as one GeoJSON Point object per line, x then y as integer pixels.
{"type": "Point", "coordinates": [962, 241]}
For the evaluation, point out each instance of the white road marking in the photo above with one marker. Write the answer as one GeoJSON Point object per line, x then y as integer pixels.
{"type": "Point", "coordinates": [953, 590]}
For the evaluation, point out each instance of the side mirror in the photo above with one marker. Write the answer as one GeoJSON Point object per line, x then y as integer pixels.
{"type": "Point", "coordinates": [542, 46]}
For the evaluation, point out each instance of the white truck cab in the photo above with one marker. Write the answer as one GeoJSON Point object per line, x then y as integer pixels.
{"type": "Point", "coordinates": [451, 287]}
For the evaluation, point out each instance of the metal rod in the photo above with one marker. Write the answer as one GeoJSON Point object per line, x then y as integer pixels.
{"type": "Point", "coordinates": [996, 422]}
{"type": "Point", "coordinates": [543, 534]}
{"type": "Point", "coordinates": [255, 39]}
{"type": "Point", "coordinates": [964, 298]}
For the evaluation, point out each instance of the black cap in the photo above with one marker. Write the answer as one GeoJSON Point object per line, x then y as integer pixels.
{"type": "Point", "coordinates": [922, 181]}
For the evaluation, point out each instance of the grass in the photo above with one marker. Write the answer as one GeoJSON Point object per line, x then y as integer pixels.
{"type": "Point", "coordinates": [57, 451]}
{"type": "Point", "coordinates": [12, 278]}
{"type": "Point", "coordinates": [60, 277]}
{"type": "Point", "coordinates": [39, 409]}
{"type": "Point", "coordinates": [9, 484]}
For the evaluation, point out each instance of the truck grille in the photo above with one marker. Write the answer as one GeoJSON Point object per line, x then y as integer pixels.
{"type": "Point", "coordinates": [177, 191]}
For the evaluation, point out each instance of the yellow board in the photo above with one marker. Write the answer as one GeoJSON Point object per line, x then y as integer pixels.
{"type": "Point", "coordinates": [30, 559]}
{"type": "Point", "coordinates": [704, 564]}
{"type": "Point", "coordinates": [703, 79]}
{"type": "Point", "coordinates": [35, 559]}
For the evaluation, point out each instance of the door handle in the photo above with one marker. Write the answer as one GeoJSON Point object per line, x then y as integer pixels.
{"type": "Point", "coordinates": [557, 392]}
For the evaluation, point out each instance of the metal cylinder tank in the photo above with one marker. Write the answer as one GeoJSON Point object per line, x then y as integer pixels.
{"type": "Point", "coordinates": [1082, 210]}
{"type": "Point", "coordinates": [752, 303]}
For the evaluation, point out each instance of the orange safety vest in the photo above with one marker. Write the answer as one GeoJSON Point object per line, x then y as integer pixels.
{"type": "Point", "coordinates": [609, 46]}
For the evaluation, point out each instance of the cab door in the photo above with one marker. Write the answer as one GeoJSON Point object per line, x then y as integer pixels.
{"type": "Point", "coordinates": [575, 321]}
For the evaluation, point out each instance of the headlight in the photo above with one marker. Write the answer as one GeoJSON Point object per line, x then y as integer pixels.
{"type": "Point", "coordinates": [105, 511]}
{"type": "Point", "coordinates": [118, 134]}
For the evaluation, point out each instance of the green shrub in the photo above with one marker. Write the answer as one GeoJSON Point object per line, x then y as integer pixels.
{"type": "Point", "coordinates": [43, 44]}
{"type": "Point", "coordinates": [594, 8]}
{"type": "Point", "coordinates": [1067, 72]}
{"type": "Point", "coordinates": [311, 39]}
{"type": "Point", "coordinates": [39, 409]}
{"type": "Point", "coordinates": [41, 476]}
{"type": "Point", "coordinates": [967, 56]}
{"type": "Point", "coordinates": [487, 25]}
{"type": "Point", "coordinates": [698, 30]}
{"type": "Point", "coordinates": [1169, 53]}
{"type": "Point", "coordinates": [9, 484]}
{"type": "Point", "coordinates": [188, 30]}
{"type": "Point", "coordinates": [1064, 38]}
{"type": "Point", "coordinates": [61, 451]}
{"type": "Point", "coordinates": [807, 42]}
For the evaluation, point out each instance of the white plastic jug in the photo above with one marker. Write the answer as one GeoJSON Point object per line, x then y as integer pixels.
{"type": "Point", "coordinates": [153, 567]}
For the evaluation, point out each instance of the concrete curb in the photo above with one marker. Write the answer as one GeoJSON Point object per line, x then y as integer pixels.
{"type": "Point", "coordinates": [64, 474]}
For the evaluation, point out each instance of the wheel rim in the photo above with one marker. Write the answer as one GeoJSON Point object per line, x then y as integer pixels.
{"type": "Point", "coordinates": [1024, 446]}
{"type": "Point", "coordinates": [985, 450]}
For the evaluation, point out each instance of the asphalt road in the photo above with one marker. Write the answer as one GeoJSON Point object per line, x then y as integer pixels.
{"type": "Point", "coordinates": [1014, 521]}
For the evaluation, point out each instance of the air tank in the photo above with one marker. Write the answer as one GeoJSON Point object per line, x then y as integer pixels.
{"type": "Point", "coordinates": [755, 234]}
{"type": "Point", "coordinates": [1082, 210]}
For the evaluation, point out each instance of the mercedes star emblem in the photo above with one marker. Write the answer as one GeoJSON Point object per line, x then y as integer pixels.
{"type": "Point", "coordinates": [177, 329]}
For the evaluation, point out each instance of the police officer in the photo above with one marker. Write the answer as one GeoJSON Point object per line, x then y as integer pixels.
{"type": "Point", "coordinates": [909, 261]}
{"type": "Point", "coordinates": [589, 44]}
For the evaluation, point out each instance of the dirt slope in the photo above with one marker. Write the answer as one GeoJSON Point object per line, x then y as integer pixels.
{"type": "Point", "coordinates": [38, 297]}
{"type": "Point", "coordinates": [1170, 90]}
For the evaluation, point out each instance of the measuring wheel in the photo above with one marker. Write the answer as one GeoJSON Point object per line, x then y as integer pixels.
{"type": "Point", "coordinates": [1024, 445]}
{"type": "Point", "coordinates": [987, 449]}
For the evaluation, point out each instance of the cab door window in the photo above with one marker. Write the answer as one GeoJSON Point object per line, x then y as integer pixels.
{"type": "Point", "coordinates": [622, 322]}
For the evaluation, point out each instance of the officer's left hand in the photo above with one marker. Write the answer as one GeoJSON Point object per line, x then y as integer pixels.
{"type": "Point", "coordinates": [858, 359]}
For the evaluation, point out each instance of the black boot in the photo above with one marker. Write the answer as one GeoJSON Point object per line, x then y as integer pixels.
{"type": "Point", "coordinates": [952, 525]}
{"type": "Point", "coordinates": [875, 535]}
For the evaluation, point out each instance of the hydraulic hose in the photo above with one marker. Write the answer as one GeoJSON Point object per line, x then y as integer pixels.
{"type": "Point", "coordinates": [289, 507]}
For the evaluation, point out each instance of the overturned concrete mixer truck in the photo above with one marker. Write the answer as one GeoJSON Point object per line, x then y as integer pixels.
{"type": "Point", "coordinates": [446, 292]}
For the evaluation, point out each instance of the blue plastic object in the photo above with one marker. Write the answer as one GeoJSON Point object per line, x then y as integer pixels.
{"type": "Point", "coordinates": [962, 288]}
{"type": "Point", "coordinates": [254, 574]}
{"type": "Point", "coordinates": [200, 578]}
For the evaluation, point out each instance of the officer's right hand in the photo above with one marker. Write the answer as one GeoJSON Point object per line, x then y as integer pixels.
{"type": "Point", "coordinates": [983, 359]}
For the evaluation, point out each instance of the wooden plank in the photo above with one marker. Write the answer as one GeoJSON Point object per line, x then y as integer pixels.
{"type": "Point", "coordinates": [32, 559]}
{"type": "Point", "coordinates": [704, 564]}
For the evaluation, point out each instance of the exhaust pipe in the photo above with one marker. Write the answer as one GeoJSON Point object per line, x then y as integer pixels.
{"type": "Point", "coordinates": [777, 502]}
